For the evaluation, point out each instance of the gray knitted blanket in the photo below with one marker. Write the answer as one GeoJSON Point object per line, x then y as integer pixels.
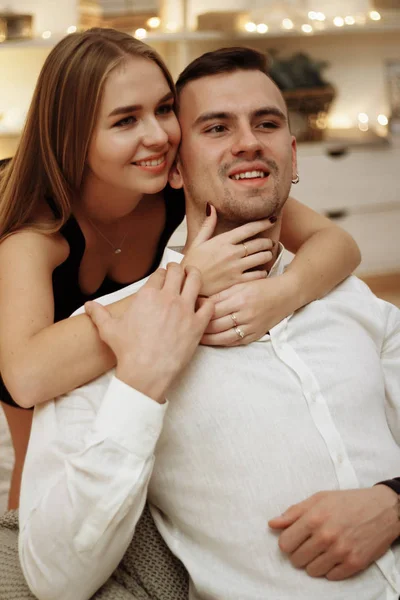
{"type": "Point", "coordinates": [148, 571]}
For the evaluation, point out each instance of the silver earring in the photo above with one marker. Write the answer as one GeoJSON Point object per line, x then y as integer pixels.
{"type": "Point", "coordinates": [294, 181]}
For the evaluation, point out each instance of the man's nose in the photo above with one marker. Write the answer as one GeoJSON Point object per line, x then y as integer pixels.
{"type": "Point", "coordinates": [154, 134]}
{"type": "Point", "coordinates": [246, 142]}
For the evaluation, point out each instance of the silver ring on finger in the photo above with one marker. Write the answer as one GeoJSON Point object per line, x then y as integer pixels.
{"type": "Point", "coordinates": [234, 319]}
{"type": "Point", "coordinates": [246, 252]}
{"type": "Point", "coordinates": [239, 332]}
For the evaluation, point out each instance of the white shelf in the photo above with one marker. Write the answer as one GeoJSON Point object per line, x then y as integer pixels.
{"type": "Point", "coordinates": [386, 25]}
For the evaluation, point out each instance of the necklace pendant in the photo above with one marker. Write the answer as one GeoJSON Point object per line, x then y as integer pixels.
{"type": "Point", "coordinates": [117, 251]}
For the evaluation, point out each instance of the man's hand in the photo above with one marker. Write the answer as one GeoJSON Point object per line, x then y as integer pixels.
{"type": "Point", "coordinates": [159, 332]}
{"type": "Point", "coordinates": [339, 534]}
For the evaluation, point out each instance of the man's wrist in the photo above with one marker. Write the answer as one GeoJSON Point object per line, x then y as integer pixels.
{"type": "Point", "coordinates": [143, 380]}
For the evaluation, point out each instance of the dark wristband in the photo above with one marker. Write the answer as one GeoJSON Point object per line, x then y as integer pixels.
{"type": "Point", "coordinates": [394, 484]}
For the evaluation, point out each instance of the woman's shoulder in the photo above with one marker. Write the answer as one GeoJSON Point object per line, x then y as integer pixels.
{"type": "Point", "coordinates": [36, 245]}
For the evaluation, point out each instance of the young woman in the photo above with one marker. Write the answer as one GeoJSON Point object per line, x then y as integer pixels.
{"type": "Point", "coordinates": [85, 210]}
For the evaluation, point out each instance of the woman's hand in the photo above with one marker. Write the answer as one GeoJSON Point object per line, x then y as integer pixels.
{"type": "Point", "coordinates": [225, 260]}
{"type": "Point", "coordinates": [250, 309]}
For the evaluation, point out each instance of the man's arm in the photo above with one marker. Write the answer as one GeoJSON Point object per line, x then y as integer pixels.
{"type": "Point", "coordinates": [91, 452]}
{"type": "Point", "coordinates": [337, 534]}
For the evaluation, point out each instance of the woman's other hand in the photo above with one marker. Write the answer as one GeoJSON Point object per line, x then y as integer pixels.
{"type": "Point", "coordinates": [245, 312]}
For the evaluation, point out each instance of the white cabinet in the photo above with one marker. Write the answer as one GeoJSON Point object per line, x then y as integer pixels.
{"type": "Point", "coordinates": [362, 189]}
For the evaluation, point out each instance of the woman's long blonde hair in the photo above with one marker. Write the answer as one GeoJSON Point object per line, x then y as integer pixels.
{"type": "Point", "coordinates": [51, 155]}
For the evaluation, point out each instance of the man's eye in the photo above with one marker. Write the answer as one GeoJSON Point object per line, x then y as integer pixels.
{"type": "Point", "coordinates": [165, 109]}
{"type": "Point", "coordinates": [216, 129]}
{"type": "Point", "coordinates": [126, 121]}
{"type": "Point", "coordinates": [268, 125]}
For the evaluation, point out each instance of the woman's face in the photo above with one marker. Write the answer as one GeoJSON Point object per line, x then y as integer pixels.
{"type": "Point", "coordinates": [137, 134]}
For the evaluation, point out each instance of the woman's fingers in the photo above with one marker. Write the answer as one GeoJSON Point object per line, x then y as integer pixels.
{"type": "Point", "coordinates": [230, 337]}
{"type": "Point", "coordinates": [247, 231]}
{"type": "Point", "coordinates": [256, 260]}
{"type": "Point", "coordinates": [255, 245]}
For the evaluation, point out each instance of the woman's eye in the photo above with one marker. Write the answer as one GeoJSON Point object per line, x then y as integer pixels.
{"type": "Point", "coordinates": [125, 121]}
{"type": "Point", "coordinates": [165, 109]}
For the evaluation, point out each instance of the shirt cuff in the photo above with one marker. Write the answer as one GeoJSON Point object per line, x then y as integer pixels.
{"type": "Point", "coordinates": [130, 418]}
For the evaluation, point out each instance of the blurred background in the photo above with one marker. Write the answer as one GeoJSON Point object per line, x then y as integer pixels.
{"type": "Point", "coordinates": [337, 62]}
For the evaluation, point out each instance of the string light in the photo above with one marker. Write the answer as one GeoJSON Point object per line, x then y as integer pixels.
{"type": "Point", "coordinates": [262, 28]}
{"type": "Point", "coordinates": [374, 15]}
{"type": "Point", "coordinates": [140, 33]}
{"type": "Point", "coordinates": [363, 118]}
{"type": "Point", "coordinates": [349, 20]}
{"type": "Point", "coordinates": [287, 24]}
{"type": "Point", "coordinates": [338, 21]}
{"type": "Point", "coordinates": [306, 28]}
{"type": "Point", "coordinates": [312, 15]}
{"type": "Point", "coordinates": [320, 16]}
{"type": "Point", "coordinates": [46, 35]}
{"type": "Point", "coordinates": [250, 27]}
{"type": "Point", "coordinates": [154, 22]}
{"type": "Point", "coordinates": [71, 29]}
{"type": "Point", "coordinates": [383, 120]}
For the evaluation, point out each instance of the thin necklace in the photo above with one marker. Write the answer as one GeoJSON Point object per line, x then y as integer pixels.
{"type": "Point", "coordinates": [116, 249]}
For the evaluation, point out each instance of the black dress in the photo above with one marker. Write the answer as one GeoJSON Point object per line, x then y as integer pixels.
{"type": "Point", "coordinates": [67, 293]}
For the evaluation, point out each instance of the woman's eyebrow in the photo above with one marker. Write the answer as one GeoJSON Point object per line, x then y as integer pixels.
{"type": "Point", "coordinates": [123, 110]}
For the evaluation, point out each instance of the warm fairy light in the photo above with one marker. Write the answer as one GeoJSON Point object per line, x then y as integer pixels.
{"type": "Point", "coordinates": [306, 28]}
{"type": "Point", "coordinates": [250, 27]}
{"type": "Point", "coordinates": [312, 15]}
{"type": "Point", "coordinates": [140, 33]}
{"type": "Point", "coordinates": [321, 16]}
{"type": "Point", "coordinates": [374, 15]}
{"type": "Point", "coordinates": [71, 29]}
{"type": "Point", "coordinates": [154, 22]}
{"type": "Point", "coordinates": [349, 20]}
{"type": "Point", "coordinates": [46, 35]}
{"type": "Point", "coordinates": [363, 118]}
{"type": "Point", "coordinates": [383, 120]}
{"type": "Point", "coordinates": [287, 24]}
{"type": "Point", "coordinates": [338, 21]}
{"type": "Point", "coordinates": [262, 28]}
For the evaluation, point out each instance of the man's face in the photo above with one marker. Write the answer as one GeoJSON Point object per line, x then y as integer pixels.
{"type": "Point", "coordinates": [237, 151]}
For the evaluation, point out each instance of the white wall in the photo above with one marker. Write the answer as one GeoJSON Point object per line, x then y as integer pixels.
{"type": "Point", "coordinates": [357, 68]}
{"type": "Point", "coordinates": [53, 15]}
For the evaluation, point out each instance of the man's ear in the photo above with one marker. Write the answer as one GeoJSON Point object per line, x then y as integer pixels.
{"type": "Point", "coordinates": [175, 179]}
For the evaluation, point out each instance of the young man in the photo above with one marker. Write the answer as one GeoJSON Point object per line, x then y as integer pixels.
{"type": "Point", "coordinates": [307, 416]}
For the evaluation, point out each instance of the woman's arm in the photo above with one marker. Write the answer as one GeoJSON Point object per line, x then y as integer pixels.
{"type": "Point", "coordinates": [40, 360]}
{"type": "Point", "coordinates": [324, 256]}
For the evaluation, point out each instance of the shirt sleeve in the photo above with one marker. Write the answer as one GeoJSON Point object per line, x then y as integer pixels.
{"type": "Point", "coordinates": [84, 488]}
{"type": "Point", "coordinates": [390, 361]}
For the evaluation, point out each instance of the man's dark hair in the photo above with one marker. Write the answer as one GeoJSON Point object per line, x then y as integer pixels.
{"type": "Point", "coordinates": [224, 60]}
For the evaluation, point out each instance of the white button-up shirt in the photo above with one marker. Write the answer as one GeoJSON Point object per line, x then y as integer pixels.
{"type": "Point", "coordinates": [247, 431]}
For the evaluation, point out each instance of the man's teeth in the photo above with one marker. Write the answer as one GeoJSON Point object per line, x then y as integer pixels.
{"type": "Point", "coordinates": [150, 163]}
{"type": "Point", "coordinates": [249, 175]}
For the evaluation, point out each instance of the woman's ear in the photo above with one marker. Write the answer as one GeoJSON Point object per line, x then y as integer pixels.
{"type": "Point", "coordinates": [175, 179]}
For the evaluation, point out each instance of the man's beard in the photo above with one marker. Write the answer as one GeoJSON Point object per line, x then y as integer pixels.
{"type": "Point", "coordinates": [252, 204]}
